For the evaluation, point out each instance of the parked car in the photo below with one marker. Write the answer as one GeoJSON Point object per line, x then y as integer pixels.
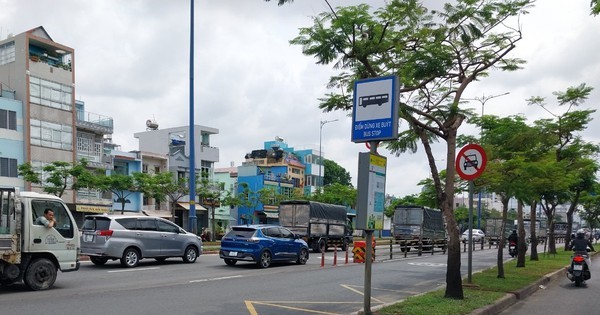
{"type": "Point", "coordinates": [262, 244]}
{"type": "Point", "coordinates": [478, 236]}
{"type": "Point", "coordinates": [131, 238]}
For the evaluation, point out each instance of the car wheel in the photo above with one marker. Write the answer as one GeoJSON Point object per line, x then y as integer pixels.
{"type": "Point", "coordinates": [40, 274]}
{"type": "Point", "coordinates": [190, 255]}
{"type": "Point", "coordinates": [98, 261]}
{"type": "Point", "coordinates": [131, 258]}
{"type": "Point", "coordinates": [265, 259]}
{"type": "Point", "coordinates": [302, 256]}
{"type": "Point", "coordinates": [230, 262]}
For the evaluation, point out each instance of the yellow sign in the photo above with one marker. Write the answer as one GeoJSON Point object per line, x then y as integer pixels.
{"type": "Point", "coordinates": [92, 209]}
{"type": "Point", "coordinates": [378, 160]}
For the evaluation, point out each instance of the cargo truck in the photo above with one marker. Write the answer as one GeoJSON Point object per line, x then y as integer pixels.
{"type": "Point", "coordinates": [493, 230]}
{"type": "Point", "coordinates": [321, 225]}
{"type": "Point", "coordinates": [419, 227]}
{"type": "Point", "coordinates": [29, 251]}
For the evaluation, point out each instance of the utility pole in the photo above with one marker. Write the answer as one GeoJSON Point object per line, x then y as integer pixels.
{"type": "Point", "coordinates": [321, 164]}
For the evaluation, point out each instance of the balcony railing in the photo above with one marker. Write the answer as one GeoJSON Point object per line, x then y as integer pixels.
{"type": "Point", "coordinates": [95, 122]}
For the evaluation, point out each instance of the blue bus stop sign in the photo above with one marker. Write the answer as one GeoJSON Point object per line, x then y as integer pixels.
{"type": "Point", "coordinates": [375, 109]}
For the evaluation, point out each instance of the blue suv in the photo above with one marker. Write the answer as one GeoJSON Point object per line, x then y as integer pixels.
{"type": "Point", "coordinates": [262, 244]}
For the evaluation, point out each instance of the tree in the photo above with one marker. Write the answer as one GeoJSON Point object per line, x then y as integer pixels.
{"type": "Point", "coordinates": [57, 176]}
{"type": "Point", "coordinates": [561, 138]}
{"type": "Point", "coordinates": [334, 173]}
{"type": "Point", "coordinates": [338, 194]}
{"type": "Point", "coordinates": [210, 194]}
{"type": "Point", "coordinates": [594, 4]}
{"type": "Point", "coordinates": [164, 187]}
{"type": "Point", "coordinates": [436, 56]}
{"type": "Point", "coordinates": [121, 185]}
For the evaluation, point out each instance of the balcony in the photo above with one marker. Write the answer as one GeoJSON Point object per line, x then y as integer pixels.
{"type": "Point", "coordinates": [95, 123]}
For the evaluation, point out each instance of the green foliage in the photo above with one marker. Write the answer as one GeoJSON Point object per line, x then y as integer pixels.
{"type": "Point", "coordinates": [121, 185]}
{"type": "Point", "coordinates": [334, 173]}
{"type": "Point", "coordinates": [58, 176]}
{"type": "Point", "coordinates": [338, 194]}
{"type": "Point", "coordinates": [595, 6]}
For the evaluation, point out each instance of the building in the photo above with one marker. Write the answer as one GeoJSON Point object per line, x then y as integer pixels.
{"type": "Point", "coordinates": [266, 175]}
{"type": "Point", "coordinates": [44, 122]}
{"type": "Point", "coordinates": [226, 215]}
{"type": "Point", "coordinates": [11, 138]}
{"type": "Point", "coordinates": [173, 143]}
{"type": "Point", "coordinates": [41, 74]}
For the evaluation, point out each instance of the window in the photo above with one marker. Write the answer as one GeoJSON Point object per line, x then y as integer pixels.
{"type": "Point", "coordinates": [285, 233]}
{"type": "Point", "coordinates": [144, 168]}
{"type": "Point", "coordinates": [128, 223]}
{"type": "Point", "coordinates": [8, 119]}
{"type": "Point", "coordinates": [52, 94]}
{"type": "Point", "coordinates": [8, 167]}
{"type": "Point", "coordinates": [7, 53]}
{"type": "Point", "coordinates": [63, 221]}
{"type": "Point", "coordinates": [51, 135]}
{"type": "Point", "coordinates": [167, 227]}
{"type": "Point", "coordinates": [146, 224]}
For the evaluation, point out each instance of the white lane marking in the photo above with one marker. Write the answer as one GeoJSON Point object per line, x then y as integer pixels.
{"type": "Point", "coordinates": [427, 264]}
{"type": "Point", "coordinates": [135, 269]}
{"type": "Point", "coordinates": [215, 279]}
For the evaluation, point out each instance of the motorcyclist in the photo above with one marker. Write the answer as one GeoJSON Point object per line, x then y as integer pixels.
{"type": "Point", "coordinates": [513, 237]}
{"type": "Point", "coordinates": [580, 244]}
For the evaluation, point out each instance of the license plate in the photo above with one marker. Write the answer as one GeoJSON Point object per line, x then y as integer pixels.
{"type": "Point", "coordinates": [88, 237]}
{"type": "Point", "coordinates": [578, 267]}
{"type": "Point", "coordinates": [233, 254]}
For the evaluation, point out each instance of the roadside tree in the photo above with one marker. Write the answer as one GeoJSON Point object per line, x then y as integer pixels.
{"type": "Point", "coordinates": [436, 56]}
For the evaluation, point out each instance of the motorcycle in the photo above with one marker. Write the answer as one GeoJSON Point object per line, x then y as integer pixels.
{"type": "Point", "coordinates": [578, 272]}
{"type": "Point", "coordinates": [512, 249]}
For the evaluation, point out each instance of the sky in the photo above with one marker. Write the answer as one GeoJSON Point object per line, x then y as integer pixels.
{"type": "Point", "coordinates": [132, 64]}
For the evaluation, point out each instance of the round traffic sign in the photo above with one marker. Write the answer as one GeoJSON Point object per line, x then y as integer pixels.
{"type": "Point", "coordinates": [470, 162]}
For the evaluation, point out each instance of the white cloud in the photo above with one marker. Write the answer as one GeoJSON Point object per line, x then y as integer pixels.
{"type": "Point", "coordinates": [131, 61]}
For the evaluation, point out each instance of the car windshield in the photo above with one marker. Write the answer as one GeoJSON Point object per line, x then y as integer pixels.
{"type": "Point", "coordinates": [241, 233]}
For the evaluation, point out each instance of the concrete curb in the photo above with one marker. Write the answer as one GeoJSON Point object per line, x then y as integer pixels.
{"type": "Point", "coordinates": [513, 297]}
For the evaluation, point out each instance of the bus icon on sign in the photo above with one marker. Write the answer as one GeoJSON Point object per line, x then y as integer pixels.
{"type": "Point", "coordinates": [376, 99]}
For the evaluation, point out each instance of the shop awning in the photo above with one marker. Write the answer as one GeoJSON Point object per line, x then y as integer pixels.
{"type": "Point", "coordinates": [223, 217]}
{"type": "Point", "coordinates": [186, 206]}
{"type": "Point", "coordinates": [272, 215]}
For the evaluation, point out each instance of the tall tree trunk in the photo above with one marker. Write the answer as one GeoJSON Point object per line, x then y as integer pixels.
{"type": "Point", "coordinates": [534, 236]}
{"type": "Point", "coordinates": [570, 212]}
{"type": "Point", "coordinates": [501, 243]}
{"type": "Point", "coordinates": [549, 210]}
{"type": "Point", "coordinates": [522, 245]}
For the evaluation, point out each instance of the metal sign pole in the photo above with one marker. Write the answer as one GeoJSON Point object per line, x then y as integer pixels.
{"type": "Point", "coordinates": [470, 240]}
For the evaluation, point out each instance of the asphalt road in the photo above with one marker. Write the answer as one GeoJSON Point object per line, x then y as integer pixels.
{"type": "Point", "coordinates": [561, 296]}
{"type": "Point", "coordinates": [211, 287]}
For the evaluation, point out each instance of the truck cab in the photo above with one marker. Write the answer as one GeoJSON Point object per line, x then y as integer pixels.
{"type": "Point", "coordinates": [29, 251]}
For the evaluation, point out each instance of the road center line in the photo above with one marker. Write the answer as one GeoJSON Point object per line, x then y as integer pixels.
{"type": "Point", "coordinates": [215, 279]}
{"type": "Point", "coordinates": [136, 269]}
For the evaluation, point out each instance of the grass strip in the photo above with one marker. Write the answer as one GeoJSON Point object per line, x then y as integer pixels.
{"type": "Point", "coordinates": [485, 289]}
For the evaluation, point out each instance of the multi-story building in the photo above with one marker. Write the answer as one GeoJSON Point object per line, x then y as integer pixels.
{"type": "Point", "coordinates": [41, 74]}
{"type": "Point", "coordinates": [225, 214]}
{"type": "Point", "coordinates": [45, 124]}
{"type": "Point", "coordinates": [274, 168]}
{"type": "Point", "coordinates": [11, 138]}
{"type": "Point", "coordinates": [173, 143]}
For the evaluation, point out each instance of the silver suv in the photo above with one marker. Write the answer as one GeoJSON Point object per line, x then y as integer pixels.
{"type": "Point", "coordinates": [131, 238]}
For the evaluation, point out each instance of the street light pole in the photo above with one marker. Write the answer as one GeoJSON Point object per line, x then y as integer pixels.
{"type": "Point", "coordinates": [482, 100]}
{"type": "Point", "coordinates": [321, 164]}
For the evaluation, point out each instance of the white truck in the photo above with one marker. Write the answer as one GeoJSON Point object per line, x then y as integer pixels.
{"type": "Point", "coordinates": [31, 252]}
